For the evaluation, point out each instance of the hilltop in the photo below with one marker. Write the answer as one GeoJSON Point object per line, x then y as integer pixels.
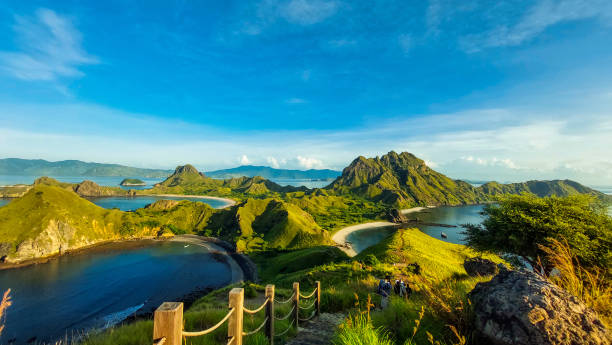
{"type": "Point", "coordinates": [51, 218]}
{"type": "Point", "coordinates": [268, 173]}
{"type": "Point", "coordinates": [403, 180]}
{"type": "Point", "coordinates": [40, 167]}
{"type": "Point", "coordinates": [187, 179]}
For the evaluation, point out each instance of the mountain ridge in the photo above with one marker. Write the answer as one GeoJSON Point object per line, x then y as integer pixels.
{"type": "Point", "coordinates": [41, 167]}
{"type": "Point", "coordinates": [403, 180]}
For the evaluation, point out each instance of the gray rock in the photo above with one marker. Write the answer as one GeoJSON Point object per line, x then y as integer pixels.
{"type": "Point", "coordinates": [395, 216]}
{"type": "Point", "coordinates": [479, 267]}
{"type": "Point", "coordinates": [520, 307]}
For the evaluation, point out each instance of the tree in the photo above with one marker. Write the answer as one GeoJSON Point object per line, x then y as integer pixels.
{"type": "Point", "coordinates": [520, 224]}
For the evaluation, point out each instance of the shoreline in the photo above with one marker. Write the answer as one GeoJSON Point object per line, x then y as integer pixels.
{"type": "Point", "coordinates": [341, 235]}
{"type": "Point", "coordinates": [229, 202]}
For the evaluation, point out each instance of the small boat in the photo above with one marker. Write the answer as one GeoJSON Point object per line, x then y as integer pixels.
{"type": "Point", "coordinates": [443, 235]}
{"type": "Point", "coordinates": [186, 246]}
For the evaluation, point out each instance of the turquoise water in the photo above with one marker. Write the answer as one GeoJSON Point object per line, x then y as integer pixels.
{"type": "Point", "coordinates": [457, 216]}
{"type": "Point", "coordinates": [110, 181]}
{"type": "Point", "coordinates": [103, 286]}
{"type": "Point", "coordinates": [133, 203]}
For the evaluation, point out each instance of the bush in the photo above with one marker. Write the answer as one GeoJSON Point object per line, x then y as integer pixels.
{"type": "Point", "coordinates": [371, 260]}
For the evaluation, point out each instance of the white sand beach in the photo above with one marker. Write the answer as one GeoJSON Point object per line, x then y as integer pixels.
{"type": "Point", "coordinates": [229, 202]}
{"type": "Point", "coordinates": [340, 236]}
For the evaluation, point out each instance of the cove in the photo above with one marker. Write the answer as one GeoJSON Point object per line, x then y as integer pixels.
{"type": "Point", "coordinates": [104, 285]}
{"type": "Point", "coordinates": [136, 202]}
{"type": "Point", "coordinates": [448, 215]}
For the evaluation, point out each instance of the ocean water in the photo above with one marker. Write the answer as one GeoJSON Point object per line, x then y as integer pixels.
{"type": "Point", "coordinates": [109, 181]}
{"type": "Point", "coordinates": [103, 286]}
{"type": "Point", "coordinates": [456, 216]}
{"type": "Point", "coordinates": [133, 203]}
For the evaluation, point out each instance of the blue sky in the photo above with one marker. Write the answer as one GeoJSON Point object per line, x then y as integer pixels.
{"type": "Point", "coordinates": [506, 90]}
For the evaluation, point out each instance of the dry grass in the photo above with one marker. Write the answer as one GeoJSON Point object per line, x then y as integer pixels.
{"type": "Point", "coordinates": [6, 302]}
{"type": "Point", "coordinates": [590, 285]}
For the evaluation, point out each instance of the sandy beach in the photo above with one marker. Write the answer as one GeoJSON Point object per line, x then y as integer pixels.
{"type": "Point", "coordinates": [340, 236]}
{"type": "Point", "coordinates": [229, 202]}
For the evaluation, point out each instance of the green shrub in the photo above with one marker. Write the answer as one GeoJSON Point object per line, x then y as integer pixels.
{"type": "Point", "coordinates": [371, 260]}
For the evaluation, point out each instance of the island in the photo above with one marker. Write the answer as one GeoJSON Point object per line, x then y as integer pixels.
{"type": "Point", "coordinates": [132, 182]}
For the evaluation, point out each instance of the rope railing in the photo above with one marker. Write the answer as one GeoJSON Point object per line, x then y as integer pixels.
{"type": "Point", "coordinates": [310, 317]}
{"type": "Point", "coordinates": [168, 321]}
{"type": "Point", "coordinates": [249, 311]}
{"type": "Point", "coordinates": [211, 329]}
{"type": "Point", "coordinates": [309, 306]}
{"type": "Point", "coordinates": [258, 328]}
{"type": "Point", "coordinates": [312, 294]}
{"type": "Point", "coordinates": [287, 301]}
{"type": "Point", "coordinates": [286, 331]}
{"type": "Point", "coordinates": [286, 316]}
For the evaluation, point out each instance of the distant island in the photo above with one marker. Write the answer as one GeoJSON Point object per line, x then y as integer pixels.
{"type": "Point", "coordinates": [41, 167]}
{"type": "Point", "coordinates": [132, 182]}
{"type": "Point", "coordinates": [267, 172]}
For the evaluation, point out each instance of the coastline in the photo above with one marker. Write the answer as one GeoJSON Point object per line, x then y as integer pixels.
{"type": "Point", "coordinates": [341, 235]}
{"type": "Point", "coordinates": [229, 202]}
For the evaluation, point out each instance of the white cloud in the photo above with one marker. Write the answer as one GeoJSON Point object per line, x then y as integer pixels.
{"type": "Point", "coordinates": [51, 49]}
{"type": "Point", "coordinates": [273, 162]}
{"type": "Point", "coordinates": [244, 160]}
{"type": "Point", "coordinates": [537, 19]}
{"type": "Point", "coordinates": [308, 12]}
{"type": "Point", "coordinates": [405, 42]}
{"type": "Point", "coordinates": [309, 163]}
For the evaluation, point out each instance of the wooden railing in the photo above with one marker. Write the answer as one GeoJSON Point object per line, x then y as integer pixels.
{"type": "Point", "coordinates": [168, 319]}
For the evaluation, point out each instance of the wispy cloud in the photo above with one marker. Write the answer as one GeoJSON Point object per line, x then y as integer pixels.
{"type": "Point", "coordinates": [308, 12]}
{"type": "Point", "coordinates": [51, 48]}
{"type": "Point", "coordinates": [543, 14]}
{"type": "Point", "coordinates": [295, 101]}
{"type": "Point", "coordinates": [309, 162]}
{"type": "Point", "coordinates": [405, 42]}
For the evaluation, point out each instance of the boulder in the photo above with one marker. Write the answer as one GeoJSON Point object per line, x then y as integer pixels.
{"type": "Point", "coordinates": [520, 307]}
{"type": "Point", "coordinates": [395, 216]}
{"type": "Point", "coordinates": [479, 267]}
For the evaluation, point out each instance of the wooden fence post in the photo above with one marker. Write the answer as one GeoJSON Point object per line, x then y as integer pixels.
{"type": "Point", "coordinates": [318, 298]}
{"type": "Point", "coordinates": [296, 303]}
{"type": "Point", "coordinates": [234, 325]}
{"type": "Point", "coordinates": [168, 323]}
{"type": "Point", "coordinates": [270, 313]}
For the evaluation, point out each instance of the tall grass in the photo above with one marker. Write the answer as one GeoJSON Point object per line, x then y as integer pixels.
{"type": "Point", "coordinates": [357, 330]}
{"type": "Point", "coordinates": [6, 302]}
{"type": "Point", "coordinates": [591, 285]}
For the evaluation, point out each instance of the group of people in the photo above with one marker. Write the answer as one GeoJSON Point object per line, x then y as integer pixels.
{"type": "Point", "coordinates": [400, 287]}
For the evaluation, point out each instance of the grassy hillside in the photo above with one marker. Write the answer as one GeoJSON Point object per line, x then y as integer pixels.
{"type": "Point", "coordinates": [267, 223]}
{"type": "Point", "coordinates": [188, 180]}
{"type": "Point", "coordinates": [51, 218]}
{"type": "Point", "coordinates": [403, 180]}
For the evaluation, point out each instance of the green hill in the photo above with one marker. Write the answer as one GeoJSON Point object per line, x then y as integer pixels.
{"type": "Point", "coordinates": [48, 220]}
{"type": "Point", "coordinates": [40, 167]}
{"type": "Point", "coordinates": [403, 180]}
{"type": "Point", "coordinates": [267, 223]}
{"type": "Point", "coordinates": [188, 180]}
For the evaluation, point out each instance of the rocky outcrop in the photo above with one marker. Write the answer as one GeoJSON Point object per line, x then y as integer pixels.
{"type": "Point", "coordinates": [162, 205]}
{"type": "Point", "coordinates": [521, 308]}
{"type": "Point", "coordinates": [90, 188]}
{"type": "Point", "coordinates": [56, 238]}
{"type": "Point", "coordinates": [479, 267]}
{"type": "Point", "coordinates": [395, 216]}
